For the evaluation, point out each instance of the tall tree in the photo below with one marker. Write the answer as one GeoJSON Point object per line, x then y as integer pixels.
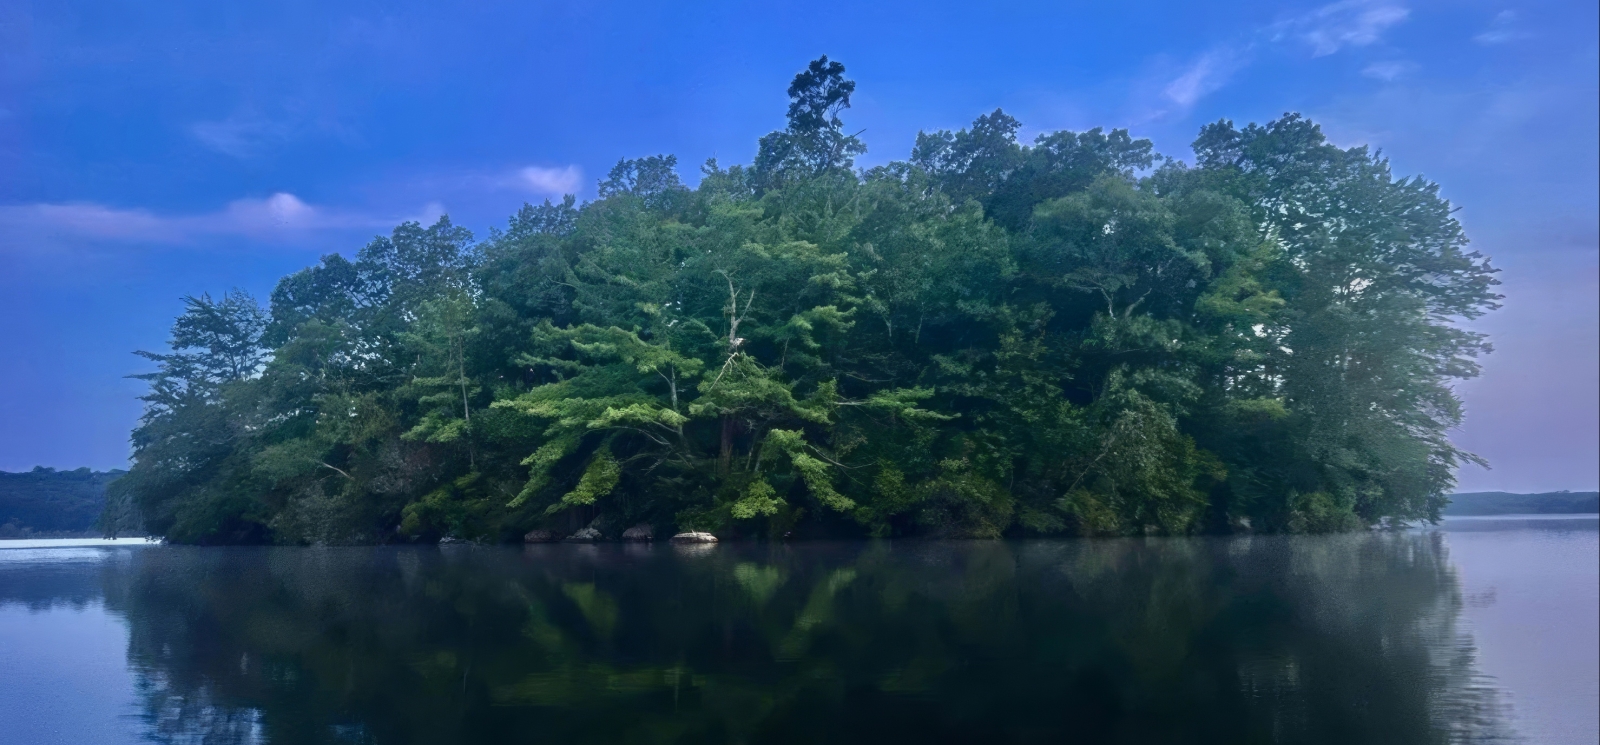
{"type": "Point", "coordinates": [814, 143]}
{"type": "Point", "coordinates": [186, 447]}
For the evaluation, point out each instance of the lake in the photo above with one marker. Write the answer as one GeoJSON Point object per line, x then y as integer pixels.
{"type": "Point", "coordinates": [1480, 630]}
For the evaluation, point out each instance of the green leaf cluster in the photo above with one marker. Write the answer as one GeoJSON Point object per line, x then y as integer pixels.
{"type": "Point", "coordinates": [1069, 336]}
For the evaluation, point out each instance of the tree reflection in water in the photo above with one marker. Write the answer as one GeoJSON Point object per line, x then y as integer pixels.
{"type": "Point", "coordinates": [1334, 639]}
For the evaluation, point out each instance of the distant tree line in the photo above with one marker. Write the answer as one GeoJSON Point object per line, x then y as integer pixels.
{"type": "Point", "coordinates": [1070, 336]}
{"type": "Point", "coordinates": [45, 503]}
{"type": "Point", "coordinates": [1505, 503]}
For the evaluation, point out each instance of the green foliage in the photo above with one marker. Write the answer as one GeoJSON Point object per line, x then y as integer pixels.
{"type": "Point", "coordinates": [1320, 512]}
{"type": "Point", "coordinates": [44, 502]}
{"type": "Point", "coordinates": [814, 142]}
{"type": "Point", "coordinates": [759, 500]}
{"type": "Point", "coordinates": [1072, 336]}
{"type": "Point", "coordinates": [597, 481]}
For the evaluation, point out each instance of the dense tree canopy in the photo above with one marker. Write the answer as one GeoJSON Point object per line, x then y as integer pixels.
{"type": "Point", "coordinates": [992, 338]}
{"type": "Point", "coordinates": [45, 502]}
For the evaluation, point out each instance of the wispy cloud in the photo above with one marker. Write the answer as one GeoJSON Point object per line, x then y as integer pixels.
{"type": "Point", "coordinates": [428, 215]}
{"type": "Point", "coordinates": [1390, 70]}
{"type": "Point", "coordinates": [279, 216]}
{"type": "Point", "coordinates": [1355, 23]}
{"type": "Point", "coordinates": [82, 220]}
{"type": "Point", "coordinates": [240, 136]}
{"type": "Point", "coordinates": [1326, 30]}
{"type": "Point", "coordinates": [1501, 30]}
{"type": "Point", "coordinates": [550, 181]}
{"type": "Point", "coordinates": [1208, 73]}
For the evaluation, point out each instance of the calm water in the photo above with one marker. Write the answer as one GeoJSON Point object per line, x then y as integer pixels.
{"type": "Point", "coordinates": [1483, 631]}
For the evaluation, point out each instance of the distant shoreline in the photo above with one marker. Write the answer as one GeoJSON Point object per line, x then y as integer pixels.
{"type": "Point", "coordinates": [51, 507]}
{"type": "Point", "coordinates": [123, 541]}
{"type": "Point", "coordinates": [1506, 503]}
{"type": "Point", "coordinates": [1529, 516]}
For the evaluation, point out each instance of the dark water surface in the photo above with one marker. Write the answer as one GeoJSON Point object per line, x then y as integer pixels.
{"type": "Point", "coordinates": [1482, 631]}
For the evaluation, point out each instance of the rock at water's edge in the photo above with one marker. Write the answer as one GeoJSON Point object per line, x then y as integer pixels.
{"type": "Point", "coordinates": [694, 537]}
{"type": "Point", "coordinates": [587, 535]}
{"type": "Point", "coordinates": [541, 536]}
{"type": "Point", "coordinates": [639, 533]}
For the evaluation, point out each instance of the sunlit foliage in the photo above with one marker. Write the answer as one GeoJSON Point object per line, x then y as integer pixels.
{"type": "Point", "coordinates": [1074, 335]}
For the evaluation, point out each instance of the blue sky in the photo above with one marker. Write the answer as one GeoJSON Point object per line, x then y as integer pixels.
{"type": "Point", "coordinates": [154, 150]}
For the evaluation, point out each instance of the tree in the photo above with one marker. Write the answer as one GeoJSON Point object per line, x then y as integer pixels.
{"type": "Point", "coordinates": [991, 338]}
{"type": "Point", "coordinates": [1375, 272]}
{"type": "Point", "coordinates": [653, 180]}
{"type": "Point", "coordinates": [187, 462]}
{"type": "Point", "coordinates": [814, 143]}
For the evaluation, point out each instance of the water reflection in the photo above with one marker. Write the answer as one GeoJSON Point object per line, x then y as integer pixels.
{"type": "Point", "coordinates": [1537, 523]}
{"type": "Point", "coordinates": [1268, 639]}
{"type": "Point", "coordinates": [1531, 587]}
{"type": "Point", "coordinates": [72, 578]}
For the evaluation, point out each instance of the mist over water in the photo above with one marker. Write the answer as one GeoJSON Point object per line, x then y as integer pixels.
{"type": "Point", "coordinates": [1481, 631]}
{"type": "Point", "coordinates": [1531, 602]}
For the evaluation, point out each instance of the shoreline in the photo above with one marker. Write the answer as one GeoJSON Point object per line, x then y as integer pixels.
{"type": "Point", "coordinates": [37, 543]}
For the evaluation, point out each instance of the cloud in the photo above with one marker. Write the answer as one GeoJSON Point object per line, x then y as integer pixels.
{"type": "Point", "coordinates": [1501, 30]}
{"type": "Point", "coordinates": [84, 220]}
{"type": "Point", "coordinates": [1330, 28]}
{"type": "Point", "coordinates": [550, 181]}
{"type": "Point", "coordinates": [279, 216]}
{"type": "Point", "coordinates": [240, 136]}
{"type": "Point", "coordinates": [1351, 23]}
{"type": "Point", "coordinates": [1206, 75]}
{"type": "Point", "coordinates": [281, 211]}
{"type": "Point", "coordinates": [428, 215]}
{"type": "Point", "coordinates": [1389, 71]}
